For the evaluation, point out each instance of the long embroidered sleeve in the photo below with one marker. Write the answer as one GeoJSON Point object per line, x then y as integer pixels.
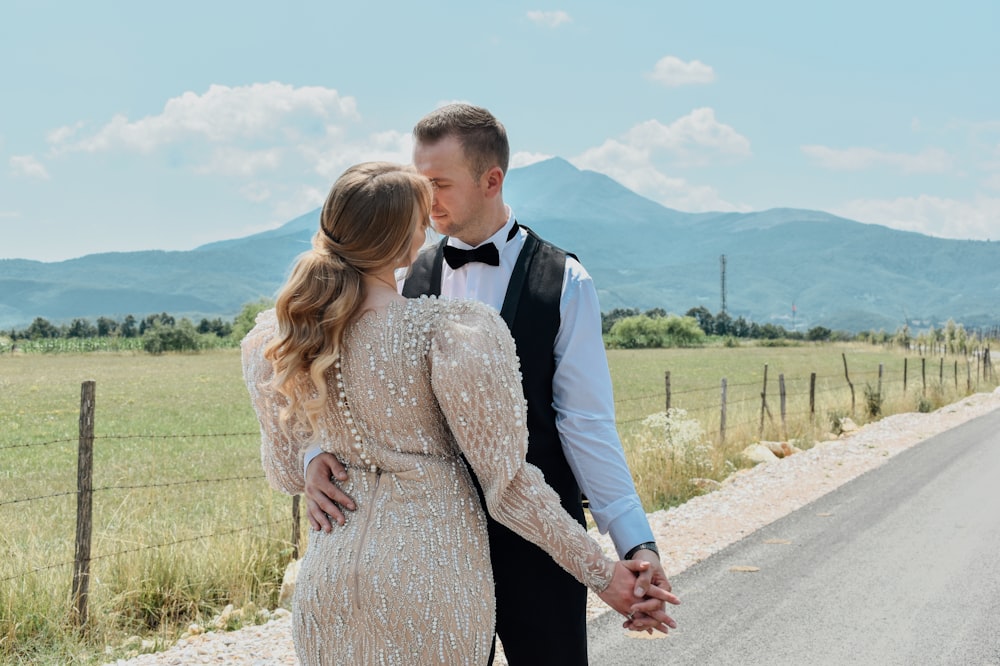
{"type": "Point", "coordinates": [280, 453]}
{"type": "Point", "coordinates": [475, 377]}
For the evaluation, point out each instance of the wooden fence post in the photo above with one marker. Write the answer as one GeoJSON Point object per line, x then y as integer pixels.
{"type": "Point", "coordinates": [848, 378]}
{"type": "Point", "coordinates": [923, 374]}
{"type": "Point", "coordinates": [666, 381]}
{"type": "Point", "coordinates": [84, 504]}
{"type": "Point", "coordinates": [296, 526]}
{"type": "Point", "coordinates": [763, 405]}
{"type": "Point", "coordinates": [956, 374]}
{"type": "Point", "coordinates": [722, 415]}
{"type": "Point", "coordinates": [881, 369]}
{"type": "Point", "coordinates": [941, 373]}
{"type": "Point", "coordinates": [781, 392]}
{"type": "Point", "coordinates": [904, 374]}
{"type": "Point", "coordinates": [812, 397]}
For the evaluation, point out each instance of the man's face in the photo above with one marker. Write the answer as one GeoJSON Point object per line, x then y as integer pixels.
{"type": "Point", "coordinates": [459, 197]}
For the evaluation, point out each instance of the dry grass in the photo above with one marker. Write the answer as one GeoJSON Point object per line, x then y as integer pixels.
{"type": "Point", "coordinates": [184, 523]}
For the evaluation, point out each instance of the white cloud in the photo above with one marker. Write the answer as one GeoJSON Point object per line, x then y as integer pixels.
{"type": "Point", "coordinates": [696, 138]}
{"type": "Point", "coordinates": [523, 159]}
{"type": "Point", "coordinates": [935, 216]}
{"type": "Point", "coordinates": [9, 214]}
{"type": "Point", "coordinates": [992, 182]}
{"type": "Point", "coordinates": [930, 160]}
{"type": "Point", "coordinates": [27, 165]}
{"type": "Point", "coordinates": [549, 19]}
{"type": "Point", "coordinates": [335, 153]}
{"type": "Point", "coordinates": [233, 161]}
{"type": "Point", "coordinates": [672, 71]}
{"type": "Point", "coordinates": [299, 201]}
{"type": "Point", "coordinates": [268, 112]}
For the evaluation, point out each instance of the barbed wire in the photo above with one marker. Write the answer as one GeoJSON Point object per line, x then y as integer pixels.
{"type": "Point", "coordinates": [188, 436]}
{"type": "Point", "coordinates": [145, 547]}
{"type": "Point", "coordinates": [136, 487]}
{"type": "Point", "coordinates": [30, 444]}
{"type": "Point", "coordinates": [124, 437]}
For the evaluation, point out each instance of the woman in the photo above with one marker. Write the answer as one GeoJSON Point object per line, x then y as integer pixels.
{"type": "Point", "coordinates": [399, 389]}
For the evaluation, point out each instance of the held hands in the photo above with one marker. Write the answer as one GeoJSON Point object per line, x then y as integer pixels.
{"type": "Point", "coordinates": [324, 499]}
{"type": "Point", "coordinates": [638, 590]}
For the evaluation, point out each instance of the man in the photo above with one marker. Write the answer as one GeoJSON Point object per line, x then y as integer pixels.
{"type": "Point", "coordinates": [550, 303]}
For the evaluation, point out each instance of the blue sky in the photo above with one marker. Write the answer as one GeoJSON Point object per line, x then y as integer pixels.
{"type": "Point", "coordinates": [133, 125]}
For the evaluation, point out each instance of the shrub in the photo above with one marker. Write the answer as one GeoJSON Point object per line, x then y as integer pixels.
{"type": "Point", "coordinates": [873, 401]}
{"type": "Point", "coordinates": [161, 338]}
{"type": "Point", "coordinates": [642, 332]}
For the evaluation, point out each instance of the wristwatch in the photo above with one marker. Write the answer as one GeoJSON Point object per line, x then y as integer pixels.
{"type": "Point", "coordinates": [649, 545]}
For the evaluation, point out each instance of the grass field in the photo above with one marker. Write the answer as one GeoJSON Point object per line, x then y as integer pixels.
{"type": "Point", "coordinates": [184, 522]}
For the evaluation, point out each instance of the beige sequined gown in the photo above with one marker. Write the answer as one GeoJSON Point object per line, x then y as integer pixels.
{"type": "Point", "coordinates": [407, 580]}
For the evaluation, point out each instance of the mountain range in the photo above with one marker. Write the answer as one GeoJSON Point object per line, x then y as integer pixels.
{"type": "Point", "coordinates": [795, 268]}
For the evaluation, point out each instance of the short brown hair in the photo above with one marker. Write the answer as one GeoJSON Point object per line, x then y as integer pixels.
{"type": "Point", "coordinates": [482, 136]}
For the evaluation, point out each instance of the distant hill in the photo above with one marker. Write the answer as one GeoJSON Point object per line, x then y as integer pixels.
{"type": "Point", "coordinates": [838, 273]}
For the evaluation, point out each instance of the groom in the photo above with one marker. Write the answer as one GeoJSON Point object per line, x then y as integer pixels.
{"type": "Point", "coordinates": [550, 304]}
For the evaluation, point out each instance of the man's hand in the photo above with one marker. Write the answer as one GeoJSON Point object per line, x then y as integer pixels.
{"type": "Point", "coordinates": [647, 611]}
{"type": "Point", "coordinates": [324, 499]}
{"type": "Point", "coordinates": [649, 614]}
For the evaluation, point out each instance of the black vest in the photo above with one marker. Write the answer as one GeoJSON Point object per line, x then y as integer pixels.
{"type": "Point", "coordinates": [531, 311]}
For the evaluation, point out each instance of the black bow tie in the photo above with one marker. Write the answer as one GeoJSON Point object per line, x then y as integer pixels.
{"type": "Point", "coordinates": [457, 257]}
{"type": "Point", "coordinates": [486, 254]}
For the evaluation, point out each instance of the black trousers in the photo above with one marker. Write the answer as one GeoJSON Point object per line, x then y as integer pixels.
{"type": "Point", "coordinates": [541, 609]}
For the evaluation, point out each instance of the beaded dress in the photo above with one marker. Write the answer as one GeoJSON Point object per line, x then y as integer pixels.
{"type": "Point", "coordinates": [408, 580]}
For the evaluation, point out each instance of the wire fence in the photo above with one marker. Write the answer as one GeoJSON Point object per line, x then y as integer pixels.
{"type": "Point", "coordinates": [766, 411]}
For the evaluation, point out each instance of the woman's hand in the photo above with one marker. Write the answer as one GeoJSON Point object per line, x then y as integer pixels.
{"type": "Point", "coordinates": [641, 613]}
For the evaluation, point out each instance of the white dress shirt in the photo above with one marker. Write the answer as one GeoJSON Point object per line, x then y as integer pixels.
{"type": "Point", "coordinates": [581, 387]}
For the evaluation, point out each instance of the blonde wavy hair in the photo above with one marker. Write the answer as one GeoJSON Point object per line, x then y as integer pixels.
{"type": "Point", "coordinates": [366, 226]}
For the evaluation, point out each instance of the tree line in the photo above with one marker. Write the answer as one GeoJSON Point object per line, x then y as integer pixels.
{"type": "Point", "coordinates": [157, 332]}
{"type": "Point", "coordinates": [631, 328]}
{"type": "Point", "coordinates": [624, 328]}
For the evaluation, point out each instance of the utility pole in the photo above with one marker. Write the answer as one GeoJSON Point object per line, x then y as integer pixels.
{"type": "Point", "coordinates": [722, 271]}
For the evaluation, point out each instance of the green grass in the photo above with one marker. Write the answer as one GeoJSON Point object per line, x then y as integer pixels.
{"type": "Point", "coordinates": [185, 524]}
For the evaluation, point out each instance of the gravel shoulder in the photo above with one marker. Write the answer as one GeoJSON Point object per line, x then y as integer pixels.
{"type": "Point", "coordinates": [686, 534]}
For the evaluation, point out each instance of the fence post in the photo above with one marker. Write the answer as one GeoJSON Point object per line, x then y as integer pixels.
{"type": "Point", "coordinates": [904, 374]}
{"type": "Point", "coordinates": [941, 373]}
{"type": "Point", "coordinates": [956, 374]}
{"type": "Point", "coordinates": [763, 403]}
{"type": "Point", "coordinates": [923, 374]}
{"type": "Point", "coordinates": [812, 397]}
{"type": "Point", "coordinates": [881, 369]}
{"type": "Point", "coordinates": [848, 378]}
{"type": "Point", "coordinates": [722, 415]}
{"type": "Point", "coordinates": [666, 381]}
{"type": "Point", "coordinates": [781, 392]}
{"type": "Point", "coordinates": [296, 526]}
{"type": "Point", "coordinates": [84, 504]}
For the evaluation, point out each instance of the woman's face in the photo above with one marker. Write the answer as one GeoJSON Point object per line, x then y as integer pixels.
{"type": "Point", "coordinates": [419, 238]}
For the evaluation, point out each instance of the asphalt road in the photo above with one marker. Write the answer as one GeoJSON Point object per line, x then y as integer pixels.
{"type": "Point", "coordinates": [899, 566]}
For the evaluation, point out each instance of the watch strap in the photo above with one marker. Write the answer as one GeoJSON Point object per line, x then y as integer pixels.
{"type": "Point", "coordinates": [648, 545]}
